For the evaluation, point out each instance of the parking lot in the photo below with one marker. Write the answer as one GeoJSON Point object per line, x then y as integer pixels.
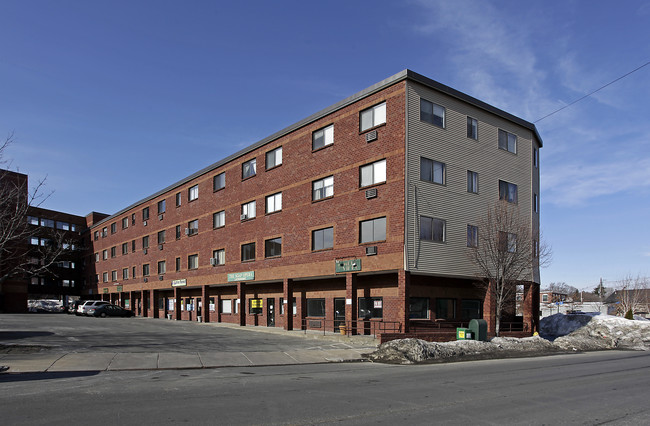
{"type": "Point", "coordinates": [70, 333]}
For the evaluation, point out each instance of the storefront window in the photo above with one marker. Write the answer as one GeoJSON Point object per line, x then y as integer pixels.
{"type": "Point", "coordinates": [419, 308]}
{"type": "Point", "coordinates": [371, 307]}
{"type": "Point", "coordinates": [446, 309]}
{"type": "Point", "coordinates": [315, 307]}
{"type": "Point", "coordinates": [255, 306]}
{"type": "Point", "coordinates": [470, 309]}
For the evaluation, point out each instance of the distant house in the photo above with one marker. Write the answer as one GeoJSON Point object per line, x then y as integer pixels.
{"type": "Point", "coordinates": [622, 300]}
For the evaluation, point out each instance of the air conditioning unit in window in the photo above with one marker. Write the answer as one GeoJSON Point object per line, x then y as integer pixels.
{"type": "Point", "coordinates": [371, 250]}
{"type": "Point", "coordinates": [213, 261]}
{"type": "Point", "coordinates": [187, 231]}
{"type": "Point", "coordinates": [145, 251]}
{"type": "Point", "coordinates": [371, 193]}
{"type": "Point", "coordinates": [144, 222]}
{"type": "Point", "coordinates": [244, 217]}
{"type": "Point", "coordinates": [160, 217]}
{"type": "Point", "coordinates": [160, 246]}
{"type": "Point", "coordinates": [146, 280]}
{"type": "Point", "coordinates": [160, 278]}
{"type": "Point", "coordinates": [371, 136]}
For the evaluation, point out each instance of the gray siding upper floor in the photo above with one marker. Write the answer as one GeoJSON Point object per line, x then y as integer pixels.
{"type": "Point", "coordinates": [451, 201]}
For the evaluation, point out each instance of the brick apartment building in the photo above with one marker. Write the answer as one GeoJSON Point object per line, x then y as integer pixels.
{"type": "Point", "coordinates": [363, 211]}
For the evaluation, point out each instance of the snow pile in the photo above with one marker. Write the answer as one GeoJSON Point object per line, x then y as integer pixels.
{"type": "Point", "coordinates": [577, 332]}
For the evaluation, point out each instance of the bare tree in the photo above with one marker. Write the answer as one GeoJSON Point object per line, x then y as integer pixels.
{"type": "Point", "coordinates": [632, 295]}
{"type": "Point", "coordinates": [25, 250]}
{"type": "Point", "coordinates": [508, 253]}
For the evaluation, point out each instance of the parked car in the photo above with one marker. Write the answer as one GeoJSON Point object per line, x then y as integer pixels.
{"type": "Point", "coordinates": [90, 304]}
{"type": "Point", "coordinates": [73, 306]}
{"type": "Point", "coordinates": [110, 311]}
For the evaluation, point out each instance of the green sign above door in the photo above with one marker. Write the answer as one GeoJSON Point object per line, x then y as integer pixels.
{"type": "Point", "coordinates": [350, 265]}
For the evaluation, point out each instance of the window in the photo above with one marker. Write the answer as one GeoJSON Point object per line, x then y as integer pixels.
{"type": "Point", "coordinates": [113, 227]}
{"type": "Point", "coordinates": [322, 239]}
{"type": "Point", "coordinates": [104, 254]}
{"type": "Point", "coordinates": [432, 171]}
{"type": "Point", "coordinates": [507, 141]}
{"type": "Point", "coordinates": [34, 241]}
{"type": "Point", "coordinates": [535, 203]}
{"type": "Point", "coordinates": [508, 191]}
{"type": "Point", "coordinates": [432, 113]}
{"type": "Point", "coordinates": [178, 232]}
{"type": "Point", "coordinates": [193, 227]}
{"type": "Point", "coordinates": [274, 203]}
{"type": "Point", "coordinates": [432, 229]}
{"type": "Point", "coordinates": [255, 306]}
{"type": "Point", "coordinates": [247, 252]}
{"type": "Point", "coordinates": [372, 117]}
{"type": "Point", "coordinates": [373, 230]}
{"type": "Point", "coordinates": [125, 248]}
{"type": "Point", "coordinates": [372, 174]}
{"type": "Point", "coordinates": [219, 219]}
{"type": "Point", "coordinates": [34, 221]}
{"type": "Point", "coordinates": [472, 182]}
{"type": "Point", "coordinates": [193, 261]}
{"type": "Point", "coordinates": [132, 218]}
{"type": "Point", "coordinates": [544, 297]}
{"type": "Point", "coordinates": [446, 308]}
{"type": "Point", "coordinates": [105, 277]}
{"type": "Point", "coordinates": [161, 237]}
{"type": "Point", "coordinates": [179, 198]}
{"type": "Point", "coordinates": [470, 309]}
{"type": "Point", "coordinates": [370, 307]}
{"type": "Point", "coordinates": [113, 252]}
{"type": "Point", "coordinates": [133, 272]}
{"type": "Point", "coordinates": [104, 232]}
{"type": "Point", "coordinates": [178, 264]}
{"type": "Point", "coordinates": [315, 307]}
{"type": "Point", "coordinates": [273, 247]}
{"type": "Point", "coordinates": [145, 213]}
{"type": "Point", "coordinates": [274, 158]}
{"type": "Point", "coordinates": [472, 236]}
{"type": "Point", "coordinates": [162, 268]}
{"type": "Point", "coordinates": [145, 270]}
{"type": "Point", "coordinates": [161, 206]}
{"type": "Point", "coordinates": [113, 275]}
{"type": "Point", "coordinates": [145, 242]}
{"type": "Point", "coordinates": [472, 128]}
{"type": "Point", "coordinates": [97, 257]}
{"type": "Point", "coordinates": [133, 246]}
{"type": "Point", "coordinates": [96, 235]}
{"type": "Point", "coordinates": [507, 242]}
{"type": "Point", "coordinates": [249, 169]}
{"type": "Point", "coordinates": [323, 188]}
{"type": "Point", "coordinates": [323, 137]}
{"type": "Point", "coordinates": [226, 306]}
{"type": "Point", "coordinates": [125, 222]}
{"type": "Point", "coordinates": [419, 308]}
{"type": "Point", "coordinates": [248, 210]}
{"type": "Point", "coordinates": [219, 256]}
{"type": "Point", "coordinates": [193, 193]}
{"type": "Point", "coordinates": [125, 273]}
{"type": "Point", "coordinates": [219, 181]}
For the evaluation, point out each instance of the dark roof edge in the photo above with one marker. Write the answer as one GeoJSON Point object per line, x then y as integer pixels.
{"type": "Point", "coordinates": [476, 102]}
{"type": "Point", "coordinates": [400, 76]}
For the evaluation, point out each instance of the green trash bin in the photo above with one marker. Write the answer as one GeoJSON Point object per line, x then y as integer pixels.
{"type": "Point", "coordinates": [464, 334]}
{"type": "Point", "coordinates": [479, 329]}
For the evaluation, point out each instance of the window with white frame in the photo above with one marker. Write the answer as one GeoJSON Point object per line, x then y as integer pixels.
{"type": "Point", "coordinates": [145, 214]}
{"type": "Point", "coordinates": [193, 261]}
{"type": "Point", "coordinates": [274, 158]}
{"type": "Point", "coordinates": [372, 173]}
{"type": "Point", "coordinates": [162, 267]}
{"type": "Point", "coordinates": [105, 277]}
{"type": "Point", "coordinates": [432, 229]}
{"type": "Point", "coordinates": [248, 252]}
{"type": "Point", "coordinates": [248, 210]}
{"type": "Point", "coordinates": [322, 137]}
{"type": "Point", "coordinates": [372, 230]}
{"type": "Point", "coordinates": [274, 203]}
{"type": "Point", "coordinates": [432, 113]}
{"type": "Point", "coordinates": [472, 182]}
{"type": "Point", "coordinates": [125, 273]}
{"type": "Point", "coordinates": [145, 270]}
{"type": "Point", "coordinates": [219, 219]}
{"type": "Point", "coordinates": [193, 227]}
{"type": "Point", "coordinates": [432, 171]}
{"type": "Point", "coordinates": [508, 191]}
{"type": "Point", "coordinates": [472, 128]}
{"type": "Point", "coordinates": [273, 247]}
{"type": "Point", "coordinates": [219, 181]}
{"type": "Point", "coordinates": [226, 306]}
{"type": "Point", "coordinates": [125, 248]}
{"type": "Point", "coordinates": [322, 239]}
{"type": "Point", "coordinates": [162, 205]}
{"type": "Point", "coordinates": [249, 169]}
{"type": "Point", "coordinates": [161, 237]}
{"type": "Point", "coordinates": [113, 275]}
{"type": "Point", "coordinates": [373, 116]}
{"type": "Point", "coordinates": [193, 193]}
{"type": "Point", "coordinates": [179, 199]}
{"type": "Point", "coordinates": [125, 222]}
{"type": "Point", "coordinates": [145, 242]}
{"type": "Point", "coordinates": [507, 141]}
{"type": "Point", "coordinates": [104, 254]}
{"type": "Point", "coordinates": [113, 227]}
{"type": "Point", "coordinates": [323, 188]}
{"type": "Point", "coordinates": [219, 256]}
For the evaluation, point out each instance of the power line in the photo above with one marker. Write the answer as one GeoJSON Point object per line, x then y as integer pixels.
{"type": "Point", "coordinates": [589, 94]}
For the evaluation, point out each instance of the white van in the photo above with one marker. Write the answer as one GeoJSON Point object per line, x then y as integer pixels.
{"type": "Point", "coordinates": [90, 304]}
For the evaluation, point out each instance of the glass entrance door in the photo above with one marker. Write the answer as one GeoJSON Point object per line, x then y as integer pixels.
{"type": "Point", "coordinates": [339, 313]}
{"type": "Point", "coordinates": [270, 312]}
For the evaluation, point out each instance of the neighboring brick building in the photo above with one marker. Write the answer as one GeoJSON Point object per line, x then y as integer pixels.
{"type": "Point", "coordinates": [362, 211]}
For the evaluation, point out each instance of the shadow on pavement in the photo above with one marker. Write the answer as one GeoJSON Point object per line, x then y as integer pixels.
{"type": "Point", "coordinates": [25, 377]}
{"type": "Point", "coordinates": [15, 335]}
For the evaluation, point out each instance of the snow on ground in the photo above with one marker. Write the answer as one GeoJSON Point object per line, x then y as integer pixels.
{"type": "Point", "coordinates": [562, 333]}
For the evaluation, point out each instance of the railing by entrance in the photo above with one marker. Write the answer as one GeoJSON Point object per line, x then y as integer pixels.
{"type": "Point", "coordinates": [350, 328]}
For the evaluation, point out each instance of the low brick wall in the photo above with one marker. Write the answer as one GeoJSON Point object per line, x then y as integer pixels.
{"type": "Point", "coordinates": [441, 336]}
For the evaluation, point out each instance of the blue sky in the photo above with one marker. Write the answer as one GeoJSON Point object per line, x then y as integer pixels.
{"type": "Point", "coordinates": [114, 100]}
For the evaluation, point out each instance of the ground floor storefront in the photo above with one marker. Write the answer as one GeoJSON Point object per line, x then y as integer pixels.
{"type": "Point", "coordinates": [393, 302]}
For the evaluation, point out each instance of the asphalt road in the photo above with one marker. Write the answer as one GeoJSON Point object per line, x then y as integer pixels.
{"type": "Point", "coordinates": [593, 388]}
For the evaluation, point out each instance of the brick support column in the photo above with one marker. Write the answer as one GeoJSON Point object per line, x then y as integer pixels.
{"type": "Point", "coordinates": [241, 295]}
{"type": "Point", "coordinates": [179, 299]}
{"type": "Point", "coordinates": [489, 310]}
{"type": "Point", "coordinates": [300, 310]}
{"type": "Point", "coordinates": [287, 291]}
{"type": "Point", "coordinates": [531, 307]}
{"type": "Point", "coordinates": [205, 302]}
{"type": "Point", "coordinates": [153, 303]}
{"type": "Point", "coordinates": [351, 301]}
{"type": "Point", "coordinates": [143, 303]}
{"type": "Point", "coordinates": [217, 307]}
{"type": "Point", "coordinates": [132, 306]}
{"type": "Point", "coordinates": [403, 295]}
